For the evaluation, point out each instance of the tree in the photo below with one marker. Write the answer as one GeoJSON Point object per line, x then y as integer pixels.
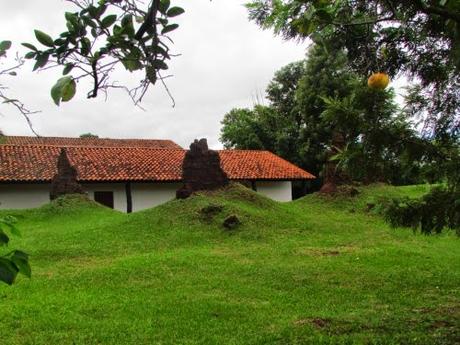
{"type": "Point", "coordinates": [332, 122]}
{"type": "Point", "coordinates": [419, 39]}
{"type": "Point", "coordinates": [105, 34]}
{"type": "Point", "coordinates": [256, 129]}
{"type": "Point", "coordinates": [89, 135]}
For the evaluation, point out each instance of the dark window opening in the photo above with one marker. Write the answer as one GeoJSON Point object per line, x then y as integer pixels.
{"type": "Point", "coordinates": [104, 198]}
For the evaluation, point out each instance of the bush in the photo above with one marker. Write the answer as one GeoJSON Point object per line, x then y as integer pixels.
{"type": "Point", "coordinates": [438, 209]}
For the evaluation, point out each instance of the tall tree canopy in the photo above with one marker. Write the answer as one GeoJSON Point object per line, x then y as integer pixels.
{"type": "Point", "coordinates": [419, 39]}
{"type": "Point", "coordinates": [319, 106]}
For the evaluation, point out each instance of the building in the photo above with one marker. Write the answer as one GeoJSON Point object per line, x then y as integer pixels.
{"type": "Point", "coordinates": [113, 171]}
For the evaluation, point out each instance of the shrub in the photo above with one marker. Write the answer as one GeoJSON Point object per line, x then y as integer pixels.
{"type": "Point", "coordinates": [438, 209]}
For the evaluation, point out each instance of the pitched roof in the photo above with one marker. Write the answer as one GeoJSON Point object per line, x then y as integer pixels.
{"type": "Point", "coordinates": [100, 142]}
{"type": "Point", "coordinates": [34, 163]}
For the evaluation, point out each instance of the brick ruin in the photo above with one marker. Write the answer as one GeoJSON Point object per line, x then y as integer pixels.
{"type": "Point", "coordinates": [201, 170]}
{"type": "Point", "coordinates": [65, 181]}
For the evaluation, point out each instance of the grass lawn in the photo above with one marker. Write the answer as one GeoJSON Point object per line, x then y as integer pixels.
{"type": "Point", "coordinates": [313, 271]}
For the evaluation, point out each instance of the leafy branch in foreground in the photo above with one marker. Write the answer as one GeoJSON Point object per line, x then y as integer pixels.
{"type": "Point", "coordinates": [15, 261]}
{"type": "Point", "coordinates": [10, 71]}
{"type": "Point", "coordinates": [103, 35]}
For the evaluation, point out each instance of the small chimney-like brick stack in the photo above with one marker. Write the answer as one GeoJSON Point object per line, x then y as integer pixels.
{"type": "Point", "coordinates": [201, 170]}
{"type": "Point", "coordinates": [65, 181]}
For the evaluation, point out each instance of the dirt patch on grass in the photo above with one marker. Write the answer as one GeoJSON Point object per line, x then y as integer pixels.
{"type": "Point", "coordinates": [208, 212]}
{"type": "Point", "coordinates": [331, 253]}
{"type": "Point", "coordinates": [315, 322]}
{"type": "Point", "coordinates": [315, 251]}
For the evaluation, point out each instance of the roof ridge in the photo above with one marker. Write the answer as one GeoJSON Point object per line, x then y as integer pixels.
{"type": "Point", "coordinates": [242, 150]}
{"type": "Point", "coordinates": [94, 147]}
{"type": "Point", "coordinates": [78, 138]}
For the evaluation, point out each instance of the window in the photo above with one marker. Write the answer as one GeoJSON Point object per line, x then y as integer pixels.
{"type": "Point", "coordinates": [104, 198]}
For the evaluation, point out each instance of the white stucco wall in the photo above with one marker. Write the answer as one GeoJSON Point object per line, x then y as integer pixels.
{"type": "Point", "coordinates": [118, 189]}
{"type": "Point", "coordinates": [146, 195]}
{"type": "Point", "coordinates": [16, 196]}
{"type": "Point", "coordinates": [276, 190]}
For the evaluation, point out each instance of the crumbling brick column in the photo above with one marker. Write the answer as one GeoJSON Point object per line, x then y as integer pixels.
{"type": "Point", "coordinates": [201, 170]}
{"type": "Point", "coordinates": [65, 181]}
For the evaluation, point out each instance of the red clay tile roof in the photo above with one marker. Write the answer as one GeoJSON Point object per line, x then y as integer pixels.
{"type": "Point", "coordinates": [22, 163]}
{"type": "Point", "coordinates": [99, 142]}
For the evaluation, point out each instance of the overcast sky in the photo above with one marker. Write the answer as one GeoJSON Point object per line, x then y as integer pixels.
{"type": "Point", "coordinates": [226, 62]}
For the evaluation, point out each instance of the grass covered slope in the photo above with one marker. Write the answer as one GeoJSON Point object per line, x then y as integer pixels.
{"type": "Point", "coordinates": [317, 270]}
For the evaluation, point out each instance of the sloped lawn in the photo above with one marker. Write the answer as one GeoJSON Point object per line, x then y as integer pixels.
{"type": "Point", "coordinates": [313, 271]}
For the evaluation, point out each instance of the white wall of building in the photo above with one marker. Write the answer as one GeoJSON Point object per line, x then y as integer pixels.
{"type": "Point", "coordinates": [118, 189]}
{"type": "Point", "coordinates": [17, 196]}
{"type": "Point", "coordinates": [146, 195]}
{"type": "Point", "coordinates": [276, 190]}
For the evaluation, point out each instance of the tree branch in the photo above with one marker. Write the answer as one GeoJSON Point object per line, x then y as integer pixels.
{"type": "Point", "coordinates": [427, 9]}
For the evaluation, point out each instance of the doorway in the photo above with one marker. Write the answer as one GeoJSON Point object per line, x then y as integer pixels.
{"type": "Point", "coordinates": [104, 198]}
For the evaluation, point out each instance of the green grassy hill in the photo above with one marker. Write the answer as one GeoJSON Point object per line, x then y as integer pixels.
{"type": "Point", "coordinates": [314, 271]}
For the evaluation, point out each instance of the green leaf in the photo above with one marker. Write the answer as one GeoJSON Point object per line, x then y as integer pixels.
{"type": "Point", "coordinates": [64, 90]}
{"type": "Point", "coordinates": [163, 21]}
{"type": "Point", "coordinates": [21, 260]}
{"type": "Point", "coordinates": [169, 28]}
{"type": "Point", "coordinates": [159, 64]}
{"type": "Point", "coordinates": [60, 42]}
{"type": "Point", "coordinates": [160, 50]}
{"type": "Point", "coordinates": [175, 11]}
{"type": "Point", "coordinates": [85, 46]}
{"type": "Point", "coordinates": [69, 90]}
{"type": "Point", "coordinates": [127, 20]}
{"type": "Point", "coordinates": [8, 271]}
{"type": "Point", "coordinates": [164, 5]}
{"type": "Point", "coordinates": [109, 20]}
{"type": "Point", "coordinates": [5, 45]}
{"type": "Point", "coordinates": [42, 60]}
{"type": "Point", "coordinates": [44, 39]}
{"type": "Point", "coordinates": [4, 239]}
{"type": "Point", "coordinates": [71, 17]}
{"type": "Point", "coordinates": [131, 64]}
{"type": "Point", "coordinates": [30, 55]}
{"type": "Point", "coordinates": [92, 10]}
{"type": "Point", "coordinates": [128, 26]}
{"type": "Point", "coordinates": [88, 21]}
{"type": "Point", "coordinates": [100, 10]}
{"type": "Point", "coordinates": [151, 74]}
{"type": "Point", "coordinates": [68, 67]}
{"type": "Point", "coordinates": [30, 46]}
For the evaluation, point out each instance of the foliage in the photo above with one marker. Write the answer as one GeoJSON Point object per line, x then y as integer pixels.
{"type": "Point", "coordinates": [432, 213]}
{"type": "Point", "coordinates": [15, 261]}
{"type": "Point", "coordinates": [195, 283]}
{"type": "Point", "coordinates": [261, 128]}
{"type": "Point", "coordinates": [89, 135]}
{"type": "Point", "coordinates": [314, 100]}
{"type": "Point", "coordinates": [103, 35]}
{"type": "Point", "coordinates": [419, 39]}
